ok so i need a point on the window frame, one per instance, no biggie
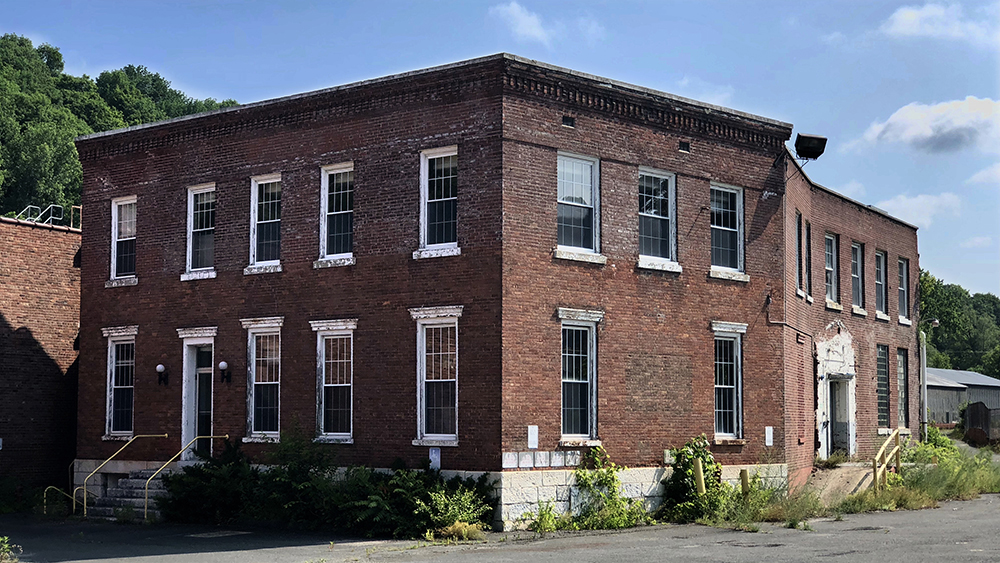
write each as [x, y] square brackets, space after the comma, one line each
[799, 285]
[595, 206]
[426, 250]
[740, 220]
[903, 391]
[116, 336]
[831, 266]
[649, 260]
[115, 204]
[591, 328]
[808, 262]
[882, 293]
[263, 326]
[434, 317]
[259, 266]
[903, 298]
[189, 271]
[879, 409]
[732, 332]
[325, 329]
[858, 275]
[325, 258]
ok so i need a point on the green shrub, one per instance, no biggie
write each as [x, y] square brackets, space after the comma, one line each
[794, 508]
[955, 477]
[681, 501]
[547, 520]
[8, 551]
[937, 447]
[895, 498]
[448, 507]
[604, 507]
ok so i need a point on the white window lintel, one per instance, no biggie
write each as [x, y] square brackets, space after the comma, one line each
[120, 331]
[442, 312]
[731, 327]
[335, 324]
[583, 315]
[262, 322]
[198, 332]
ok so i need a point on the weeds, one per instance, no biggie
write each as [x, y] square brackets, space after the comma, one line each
[9, 551]
[833, 461]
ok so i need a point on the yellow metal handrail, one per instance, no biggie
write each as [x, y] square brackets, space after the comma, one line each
[880, 464]
[45, 497]
[84, 486]
[145, 510]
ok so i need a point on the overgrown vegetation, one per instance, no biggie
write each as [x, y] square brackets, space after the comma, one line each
[681, 501]
[301, 488]
[8, 551]
[833, 461]
[969, 333]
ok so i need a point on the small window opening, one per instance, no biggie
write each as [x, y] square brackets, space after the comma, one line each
[569, 121]
[684, 146]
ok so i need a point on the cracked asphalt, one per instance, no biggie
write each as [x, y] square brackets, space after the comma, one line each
[955, 532]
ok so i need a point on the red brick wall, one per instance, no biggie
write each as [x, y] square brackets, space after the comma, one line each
[39, 316]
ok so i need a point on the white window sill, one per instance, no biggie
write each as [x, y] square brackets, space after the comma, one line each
[884, 431]
[581, 255]
[333, 262]
[261, 269]
[333, 440]
[436, 443]
[122, 282]
[731, 275]
[261, 439]
[728, 441]
[881, 316]
[809, 299]
[662, 264]
[116, 437]
[198, 275]
[422, 253]
[904, 431]
[834, 306]
[859, 311]
[905, 321]
[579, 443]
[800, 293]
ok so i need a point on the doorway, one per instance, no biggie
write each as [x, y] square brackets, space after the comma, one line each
[196, 417]
[840, 425]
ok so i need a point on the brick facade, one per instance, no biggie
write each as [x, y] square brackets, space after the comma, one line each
[654, 351]
[39, 320]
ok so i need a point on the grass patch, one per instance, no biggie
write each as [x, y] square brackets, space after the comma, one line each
[897, 498]
[833, 461]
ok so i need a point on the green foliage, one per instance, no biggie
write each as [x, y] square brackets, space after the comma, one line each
[604, 505]
[681, 501]
[301, 488]
[969, 330]
[794, 509]
[547, 520]
[958, 477]
[890, 499]
[833, 461]
[8, 551]
[461, 531]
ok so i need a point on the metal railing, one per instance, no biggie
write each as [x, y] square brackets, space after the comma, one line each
[145, 510]
[880, 464]
[45, 497]
[84, 486]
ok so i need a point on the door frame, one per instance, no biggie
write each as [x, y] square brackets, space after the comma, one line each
[189, 392]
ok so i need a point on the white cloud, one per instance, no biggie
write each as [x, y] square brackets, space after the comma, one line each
[977, 242]
[833, 38]
[943, 127]
[525, 25]
[698, 89]
[853, 189]
[591, 29]
[921, 209]
[940, 21]
[989, 175]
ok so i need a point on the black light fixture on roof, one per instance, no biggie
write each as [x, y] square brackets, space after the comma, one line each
[809, 147]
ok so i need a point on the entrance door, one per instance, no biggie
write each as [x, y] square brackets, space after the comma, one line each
[203, 399]
[840, 427]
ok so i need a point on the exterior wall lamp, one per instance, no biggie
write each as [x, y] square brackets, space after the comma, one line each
[226, 375]
[161, 374]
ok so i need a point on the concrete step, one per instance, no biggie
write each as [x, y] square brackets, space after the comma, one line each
[116, 514]
[134, 493]
[131, 483]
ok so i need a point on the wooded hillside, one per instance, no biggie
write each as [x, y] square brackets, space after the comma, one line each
[968, 337]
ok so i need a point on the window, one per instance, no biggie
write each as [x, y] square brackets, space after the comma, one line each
[657, 236]
[903, 377]
[904, 289]
[809, 254]
[858, 275]
[123, 237]
[335, 352]
[438, 203]
[728, 376]
[263, 398]
[336, 228]
[437, 374]
[201, 232]
[832, 250]
[881, 290]
[265, 223]
[121, 380]
[579, 372]
[882, 384]
[578, 222]
[727, 228]
[798, 251]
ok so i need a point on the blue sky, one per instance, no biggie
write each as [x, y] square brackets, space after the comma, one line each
[908, 93]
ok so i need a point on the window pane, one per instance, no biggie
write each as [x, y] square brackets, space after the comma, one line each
[440, 407]
[269, 241]
[902, 376]
[269, 201]
[575, 181]
[203, 230]
[882, 376]
[125, 258]
[880, 287]
[126, 220]
[654, 196]
[576, 380]
[576, 226]
[725, 229]
[337, 409]
[442, 220]
[904, 286]
[265, 407]
[121, 412]
[442, 202]
[340, 233]
[267, 362]
[726, 386]
[857, 272]
[576, 408]
[654, 237]
[725, 249]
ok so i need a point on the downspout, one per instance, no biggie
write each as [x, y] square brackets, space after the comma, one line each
[923, 384]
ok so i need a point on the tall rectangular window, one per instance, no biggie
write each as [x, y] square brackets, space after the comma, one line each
[728, 376]
[858, 275]
[437, 372]
[903, 380]
[123, 236]
[577, 208]
[904, 288]
[264, 376]
[881, 287]
[265, 220]
[577, 370]
[798, 251]
[337, 211]
[882, 384]
[832, 273]
[201, 228]
[657, 236]
[335, 385]
[121, 381]
[809, 255]
[438, 202]
[727, 227]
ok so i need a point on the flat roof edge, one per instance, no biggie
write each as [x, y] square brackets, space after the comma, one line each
[459, 64]
[22, 222]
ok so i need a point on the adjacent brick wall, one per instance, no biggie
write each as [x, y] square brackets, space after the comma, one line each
[39, 320]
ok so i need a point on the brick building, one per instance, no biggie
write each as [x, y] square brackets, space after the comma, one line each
[451, 263]
[39, 321]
